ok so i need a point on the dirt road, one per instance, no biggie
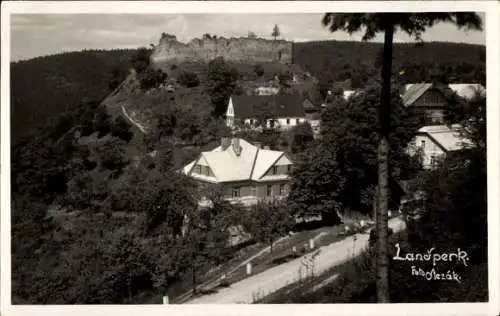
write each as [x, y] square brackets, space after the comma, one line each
[269, 281]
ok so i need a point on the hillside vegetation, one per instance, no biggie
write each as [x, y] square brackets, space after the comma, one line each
[45, 87]
[98, 218]
[334, 61]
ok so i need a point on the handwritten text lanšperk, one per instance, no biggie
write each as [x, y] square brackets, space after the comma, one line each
[435, 257]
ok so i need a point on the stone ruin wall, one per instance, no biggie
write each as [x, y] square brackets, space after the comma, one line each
[254, 50]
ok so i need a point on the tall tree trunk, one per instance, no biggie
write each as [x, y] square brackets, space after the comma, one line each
[193, 269]
[383, 169]
[375, 204]
[194, 279]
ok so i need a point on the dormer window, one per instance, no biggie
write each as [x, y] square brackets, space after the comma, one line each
[274, 170]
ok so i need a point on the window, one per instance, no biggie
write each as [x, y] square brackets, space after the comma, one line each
[287, 121]
[422, 144]
[269, 190]
[207, 171]
[275, 170]
[236, 192]
[433, 160]
[289, 169]
[282, 189]
[297, 121]
[198, 169]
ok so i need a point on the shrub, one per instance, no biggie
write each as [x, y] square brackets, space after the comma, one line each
[188, 79]
[151, 78]
[121, 129]
[259, 70]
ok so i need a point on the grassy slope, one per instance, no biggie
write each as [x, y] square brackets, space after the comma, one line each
[144, 107]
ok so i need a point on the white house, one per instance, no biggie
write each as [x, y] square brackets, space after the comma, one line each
[280, 111]
[247, 172]
[435, 142]
[267, 90]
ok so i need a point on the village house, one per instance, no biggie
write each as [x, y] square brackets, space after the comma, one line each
[266, 90]
[430, 99]
[279, 111]
[435, 142]
[426, 99]
[247, 172]
[313, 115]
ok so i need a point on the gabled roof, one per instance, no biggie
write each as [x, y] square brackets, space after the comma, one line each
[248, 106]
[445, 136]
[307, 104]
[414, 91]
[467, 90]
[251, 164]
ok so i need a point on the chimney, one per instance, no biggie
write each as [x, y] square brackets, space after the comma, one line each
[257, 144]
[225, 142]
[236, 146]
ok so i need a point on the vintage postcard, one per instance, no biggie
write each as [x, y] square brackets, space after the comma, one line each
[184, 157]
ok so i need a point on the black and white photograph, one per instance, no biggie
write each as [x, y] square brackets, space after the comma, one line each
[182, 158]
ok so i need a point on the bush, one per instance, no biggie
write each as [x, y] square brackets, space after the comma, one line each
[140, 60]
[151, 78]
[121, 129]
[188, 79]
[259, 70]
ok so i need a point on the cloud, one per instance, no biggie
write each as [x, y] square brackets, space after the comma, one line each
[41, 34]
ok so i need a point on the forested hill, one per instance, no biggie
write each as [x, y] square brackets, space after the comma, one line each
[332, 61]
[45, 87]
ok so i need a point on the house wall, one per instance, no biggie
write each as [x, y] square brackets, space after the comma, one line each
[432, 104]
[428, 148]
[281, 123]
[431, 98]
[256, 189]
[288, 122]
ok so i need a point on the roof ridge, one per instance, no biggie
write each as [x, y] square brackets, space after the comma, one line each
[254, 161]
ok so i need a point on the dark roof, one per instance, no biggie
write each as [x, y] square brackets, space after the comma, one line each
[246, 106]
[308, 104]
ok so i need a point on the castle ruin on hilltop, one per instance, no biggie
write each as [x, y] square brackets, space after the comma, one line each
[243, 49]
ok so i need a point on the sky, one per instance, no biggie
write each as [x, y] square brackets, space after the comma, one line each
[35, 35]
